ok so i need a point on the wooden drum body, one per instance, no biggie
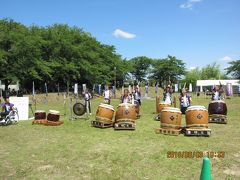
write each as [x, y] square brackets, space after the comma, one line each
[171, 118]
[126, 112]
[53, 115]
[217, 107]
[40, 114]
[104, 112]
[196, 116]
[162, 105]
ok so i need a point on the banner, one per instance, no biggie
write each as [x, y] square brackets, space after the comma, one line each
[76, 89]
[22, 105]
[176, 87]
[156, 88]
[99, 89]
[229, 89]
[84, 86]
[190, 87]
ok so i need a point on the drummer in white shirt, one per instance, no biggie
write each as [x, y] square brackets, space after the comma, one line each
[185, 100]
[217, 93]
[167, 95]
[126, 98]
[107, 95]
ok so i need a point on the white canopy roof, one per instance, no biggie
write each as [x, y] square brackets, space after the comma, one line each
[217, 82]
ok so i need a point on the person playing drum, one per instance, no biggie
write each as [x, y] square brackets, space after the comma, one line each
[185, 100]
[137, 95]
[216, 93]
[126, 98]
[87, 97]
[107, 95]
[6, 107]
[167, 95]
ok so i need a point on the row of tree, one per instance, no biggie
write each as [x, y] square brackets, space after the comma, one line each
[59, 54]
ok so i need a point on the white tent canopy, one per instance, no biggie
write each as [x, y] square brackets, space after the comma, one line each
[202, 83]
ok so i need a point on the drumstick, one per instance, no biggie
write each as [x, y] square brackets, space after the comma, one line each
[184, 85]
[174, 101]
[157, 102]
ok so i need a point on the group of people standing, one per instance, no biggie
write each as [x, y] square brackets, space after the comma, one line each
[185, 99]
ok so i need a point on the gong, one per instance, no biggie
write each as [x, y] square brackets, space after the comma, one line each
[78, 109]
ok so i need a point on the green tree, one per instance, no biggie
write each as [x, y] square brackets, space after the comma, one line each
[211, 71]
[139, 67]
[11, 37]
[192, 76]
[168, 70]
[234, 69]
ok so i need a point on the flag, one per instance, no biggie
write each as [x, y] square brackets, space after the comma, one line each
[156, 88]
[176, 87]
[46, 90]
[33, 91]
[58, 89]
[190, 87]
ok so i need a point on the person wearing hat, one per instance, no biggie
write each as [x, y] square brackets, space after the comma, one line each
[6, 107]
[167, 95]
[185, 100]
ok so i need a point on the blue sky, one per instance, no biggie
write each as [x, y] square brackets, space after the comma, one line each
[199, 32]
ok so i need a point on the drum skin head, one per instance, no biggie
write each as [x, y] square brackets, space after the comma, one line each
[40, 111]
[78, 109]
[107, 106]
[126, 104]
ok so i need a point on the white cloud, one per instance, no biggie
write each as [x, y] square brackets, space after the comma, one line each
[189, 4]
[192, 68]
[120, 33]
[226, 58]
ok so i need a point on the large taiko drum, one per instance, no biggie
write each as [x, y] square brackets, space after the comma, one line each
[196, 116]
[217, 107]
[171, 118]
[125, 112]
[137, 107]
[104, 112]
[53, 115]
[162, 105]
[40, 114]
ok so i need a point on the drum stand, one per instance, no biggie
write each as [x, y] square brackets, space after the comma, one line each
[101, 124]
[218, 118]
[72, 115]
[124, 125]
[196, 131]
[169, 131]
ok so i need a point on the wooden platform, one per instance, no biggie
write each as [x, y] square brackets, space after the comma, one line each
[172, 132]
[101, 124]
[39, 121]
[53, 123]
[217, 118]
[47, 123]
[197, 132]
[124, 126]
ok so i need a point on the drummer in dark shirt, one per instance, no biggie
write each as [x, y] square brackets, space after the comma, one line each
[6, 107]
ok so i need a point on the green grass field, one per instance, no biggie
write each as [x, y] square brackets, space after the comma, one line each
[75, 150]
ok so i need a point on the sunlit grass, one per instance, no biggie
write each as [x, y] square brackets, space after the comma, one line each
[75, 150]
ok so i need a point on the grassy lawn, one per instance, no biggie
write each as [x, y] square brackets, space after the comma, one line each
[75, 150]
